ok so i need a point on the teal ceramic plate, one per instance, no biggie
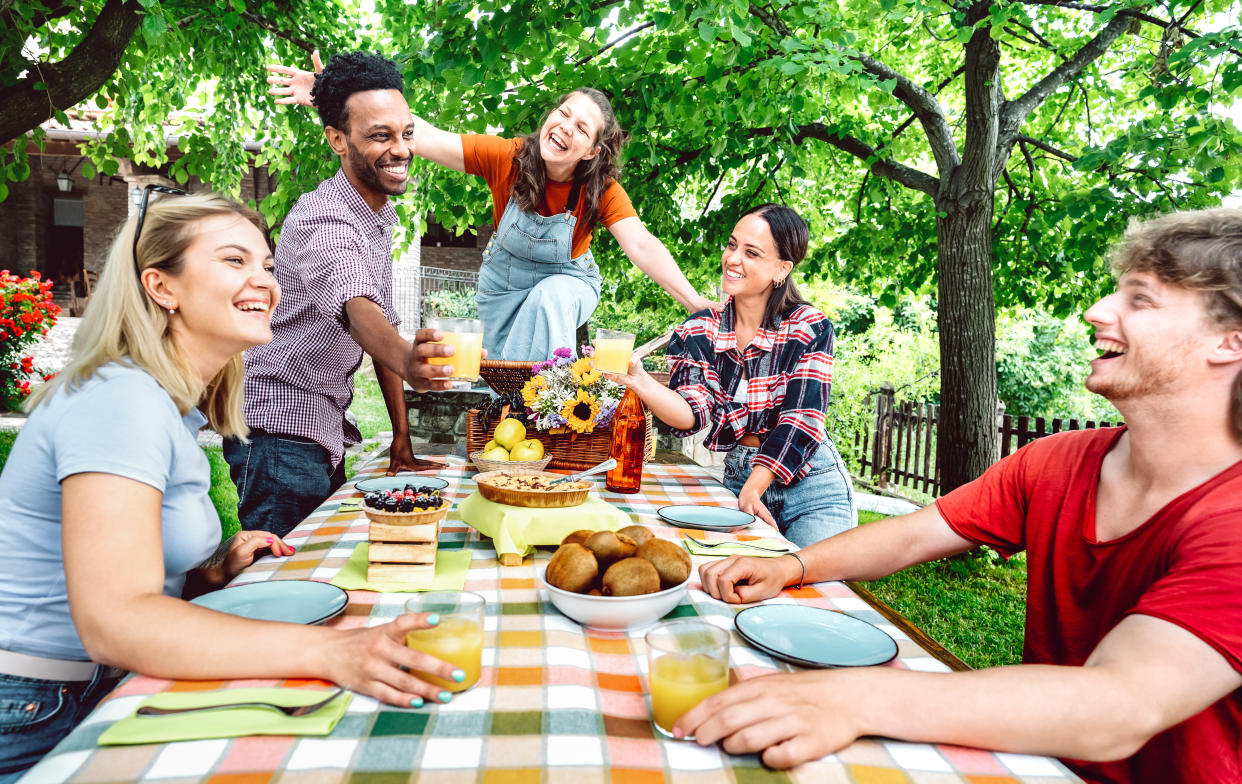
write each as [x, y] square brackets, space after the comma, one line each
[814, 637]
[292, 601]
[705, 518]
[399, 482]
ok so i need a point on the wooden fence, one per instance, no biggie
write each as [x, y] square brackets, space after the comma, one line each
[900, 447]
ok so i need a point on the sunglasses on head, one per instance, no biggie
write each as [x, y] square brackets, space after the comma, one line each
[142, 209]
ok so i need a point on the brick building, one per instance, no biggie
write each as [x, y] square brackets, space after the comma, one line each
[61, 223]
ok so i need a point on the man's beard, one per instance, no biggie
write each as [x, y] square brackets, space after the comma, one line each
[369, 175]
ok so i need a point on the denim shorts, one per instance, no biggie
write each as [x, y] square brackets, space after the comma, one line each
[36, 714]
[817, 506]
[280, 479]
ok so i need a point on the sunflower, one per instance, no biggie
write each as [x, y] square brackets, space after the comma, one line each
[584, 372]
[580, 412]
[531, 391]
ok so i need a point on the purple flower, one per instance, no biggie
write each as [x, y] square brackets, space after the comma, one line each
[564, 353]
[587, 351]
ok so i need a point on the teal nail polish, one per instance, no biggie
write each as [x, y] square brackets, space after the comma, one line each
[417, 702]
[433, 619]
[445, 696]
[459, 675]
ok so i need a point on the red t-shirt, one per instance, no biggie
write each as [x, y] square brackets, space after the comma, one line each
[1184, 565]
[491, 158]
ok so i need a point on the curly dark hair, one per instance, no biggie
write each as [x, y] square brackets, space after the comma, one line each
[596, 174]
[346, 74]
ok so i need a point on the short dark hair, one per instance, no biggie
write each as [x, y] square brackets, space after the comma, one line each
[346, 74]
[792, 237]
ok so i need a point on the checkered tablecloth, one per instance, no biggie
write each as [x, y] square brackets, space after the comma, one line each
[556, 703]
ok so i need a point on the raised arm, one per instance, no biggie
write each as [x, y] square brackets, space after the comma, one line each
[293, 86]
[1144, 677]
[647, 253]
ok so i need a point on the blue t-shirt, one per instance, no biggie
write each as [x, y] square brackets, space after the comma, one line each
[122, 422]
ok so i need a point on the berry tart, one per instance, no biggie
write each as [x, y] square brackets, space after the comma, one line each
[412, 505]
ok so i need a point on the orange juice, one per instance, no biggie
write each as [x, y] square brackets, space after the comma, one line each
[468, 350]
[680, 681]
[458, 641]
[613, 354]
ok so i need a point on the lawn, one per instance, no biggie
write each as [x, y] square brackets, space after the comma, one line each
[974, 607]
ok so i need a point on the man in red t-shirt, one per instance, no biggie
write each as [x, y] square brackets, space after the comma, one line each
[1133, 655]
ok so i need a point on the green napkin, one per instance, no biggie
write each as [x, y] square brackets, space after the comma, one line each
[229, 722]
[517, 529]
[738, 548]
[451, 568]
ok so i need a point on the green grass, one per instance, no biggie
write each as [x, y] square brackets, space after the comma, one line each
[973, 606]
[7, 437]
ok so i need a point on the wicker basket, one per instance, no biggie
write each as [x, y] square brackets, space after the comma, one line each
[570, 451]
[483, 464]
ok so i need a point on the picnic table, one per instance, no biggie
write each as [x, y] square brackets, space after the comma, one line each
[556, 702]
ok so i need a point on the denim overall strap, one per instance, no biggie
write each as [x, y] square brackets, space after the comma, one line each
[532, 294]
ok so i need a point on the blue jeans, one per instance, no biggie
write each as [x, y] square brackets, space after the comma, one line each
[280, 479]
[36, 714]
[818, 506]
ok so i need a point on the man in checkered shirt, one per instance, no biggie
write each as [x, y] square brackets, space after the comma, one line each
[334, 266]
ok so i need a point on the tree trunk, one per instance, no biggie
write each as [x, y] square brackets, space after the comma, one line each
[966, 445]
[967, 313]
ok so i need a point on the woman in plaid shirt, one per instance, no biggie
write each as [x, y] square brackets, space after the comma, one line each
[757, 374]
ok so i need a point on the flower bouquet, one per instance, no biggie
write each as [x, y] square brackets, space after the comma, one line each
[567, 394]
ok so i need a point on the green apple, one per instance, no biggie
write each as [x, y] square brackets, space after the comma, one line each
[491, 445]
[509, 432]
[496, 453]
[530, 449]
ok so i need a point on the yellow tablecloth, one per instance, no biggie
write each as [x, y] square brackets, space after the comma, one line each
[517, 529]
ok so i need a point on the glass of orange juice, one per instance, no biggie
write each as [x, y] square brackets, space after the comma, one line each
[613, 349]
[456, 639]
[688, 661]
[466, 338]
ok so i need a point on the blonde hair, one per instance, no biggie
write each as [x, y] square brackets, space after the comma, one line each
[1199, 250]
[123, 324]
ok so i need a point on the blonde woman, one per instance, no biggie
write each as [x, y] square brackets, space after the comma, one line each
[104, 509]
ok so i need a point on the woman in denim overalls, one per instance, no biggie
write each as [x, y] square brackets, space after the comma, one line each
[539, 281]
[757, 374]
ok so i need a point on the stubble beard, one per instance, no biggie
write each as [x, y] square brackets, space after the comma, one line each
[369, 175]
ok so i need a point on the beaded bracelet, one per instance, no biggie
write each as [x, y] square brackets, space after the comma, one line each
[801, 579]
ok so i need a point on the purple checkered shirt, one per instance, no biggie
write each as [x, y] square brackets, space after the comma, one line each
[332, 248]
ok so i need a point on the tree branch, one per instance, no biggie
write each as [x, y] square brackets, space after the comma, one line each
[1015, 112]
[924, 105]
[301, 43]
[73, 79]
[900, 173]
[626, 35]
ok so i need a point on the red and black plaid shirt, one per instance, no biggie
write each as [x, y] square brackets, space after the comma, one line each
[333, 247]
[789, 369]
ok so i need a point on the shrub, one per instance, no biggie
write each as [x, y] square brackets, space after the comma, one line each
[26, 314]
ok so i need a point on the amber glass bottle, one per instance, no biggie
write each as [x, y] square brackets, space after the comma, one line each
[629, 441]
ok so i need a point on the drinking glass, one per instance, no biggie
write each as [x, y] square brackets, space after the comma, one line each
[613, 349]
[466, 338]
[456, 639]
[688, 661]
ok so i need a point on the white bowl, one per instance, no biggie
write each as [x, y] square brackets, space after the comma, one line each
[615, 612]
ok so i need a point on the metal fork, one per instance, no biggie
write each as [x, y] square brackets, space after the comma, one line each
[294, 711]
[701, 543]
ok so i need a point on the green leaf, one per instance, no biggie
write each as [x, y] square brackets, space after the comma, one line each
[741, 36]
[707, 32]
[4, 191]
[88, 170]
[153, 27]
[789, 68]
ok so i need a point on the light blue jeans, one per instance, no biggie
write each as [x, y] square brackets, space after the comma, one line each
[532, 294]
[818, 506]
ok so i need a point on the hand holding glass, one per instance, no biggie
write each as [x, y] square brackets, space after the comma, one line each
[688, 662]
[613, 350]
[466, 338]
[456, 639]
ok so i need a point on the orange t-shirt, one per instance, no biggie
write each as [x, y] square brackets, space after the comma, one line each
[491, 158]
